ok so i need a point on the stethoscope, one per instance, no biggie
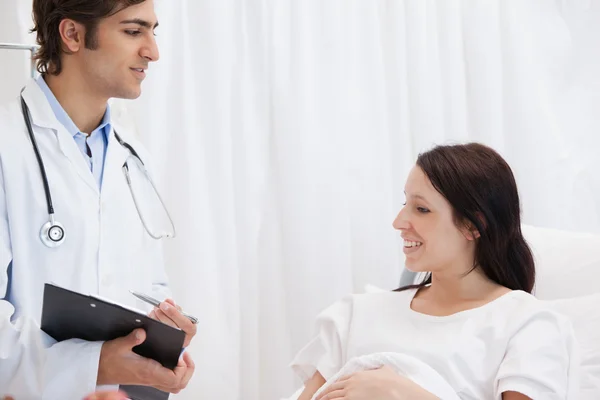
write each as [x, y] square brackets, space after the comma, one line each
[52, 233]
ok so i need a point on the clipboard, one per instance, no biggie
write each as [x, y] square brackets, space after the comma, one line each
[70, 315]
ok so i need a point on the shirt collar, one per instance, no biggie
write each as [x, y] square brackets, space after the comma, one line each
[62, 116]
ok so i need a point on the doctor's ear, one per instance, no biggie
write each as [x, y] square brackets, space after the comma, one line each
[72, 34]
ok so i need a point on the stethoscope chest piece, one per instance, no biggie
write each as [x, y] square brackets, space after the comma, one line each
[52, 233]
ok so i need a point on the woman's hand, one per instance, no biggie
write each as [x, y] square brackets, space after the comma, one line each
[378, 384]
[107, 396]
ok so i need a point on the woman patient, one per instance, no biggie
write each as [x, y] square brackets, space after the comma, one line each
[473, 319]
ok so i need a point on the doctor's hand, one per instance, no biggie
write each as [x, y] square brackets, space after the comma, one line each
[119, 365]
[383, 383]
[170, 313]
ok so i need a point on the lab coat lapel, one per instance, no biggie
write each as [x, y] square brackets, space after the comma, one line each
[113, 163]
[43, 117]
[71, 151]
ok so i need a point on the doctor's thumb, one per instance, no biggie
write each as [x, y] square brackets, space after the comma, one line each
[135, 337]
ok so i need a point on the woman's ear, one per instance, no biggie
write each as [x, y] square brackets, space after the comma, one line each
[470, 231]
[472, 234]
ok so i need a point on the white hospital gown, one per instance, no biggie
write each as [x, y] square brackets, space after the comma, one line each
[510, 344]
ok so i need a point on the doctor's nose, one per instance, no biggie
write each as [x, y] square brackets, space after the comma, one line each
[150, 50]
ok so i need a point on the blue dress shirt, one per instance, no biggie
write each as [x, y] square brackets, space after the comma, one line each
[92, 146]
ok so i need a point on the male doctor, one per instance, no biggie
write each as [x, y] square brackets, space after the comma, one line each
[82, 231]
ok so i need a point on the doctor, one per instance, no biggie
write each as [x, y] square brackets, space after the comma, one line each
[67, 212]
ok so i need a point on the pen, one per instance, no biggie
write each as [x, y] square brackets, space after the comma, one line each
[156, 303]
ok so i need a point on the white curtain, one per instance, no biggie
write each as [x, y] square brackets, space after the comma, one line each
[282, 132]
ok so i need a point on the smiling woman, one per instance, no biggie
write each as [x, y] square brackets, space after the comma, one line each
[462, 205]
[472, 324]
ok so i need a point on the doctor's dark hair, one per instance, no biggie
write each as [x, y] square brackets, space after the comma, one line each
[481, 188]
[47, 16]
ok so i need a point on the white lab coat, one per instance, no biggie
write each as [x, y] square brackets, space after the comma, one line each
[106, 249]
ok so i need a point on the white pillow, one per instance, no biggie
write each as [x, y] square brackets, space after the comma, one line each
[567, 263]
[584, 313]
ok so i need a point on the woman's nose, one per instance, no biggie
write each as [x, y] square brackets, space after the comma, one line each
[401, 222]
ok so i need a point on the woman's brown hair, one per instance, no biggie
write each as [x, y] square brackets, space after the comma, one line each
[481, 188]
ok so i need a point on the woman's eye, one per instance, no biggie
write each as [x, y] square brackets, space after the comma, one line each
[422, 210]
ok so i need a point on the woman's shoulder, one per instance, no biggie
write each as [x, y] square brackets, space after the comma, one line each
[524, 311]
[524, 303]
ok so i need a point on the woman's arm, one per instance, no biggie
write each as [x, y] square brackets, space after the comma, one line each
[311, 386]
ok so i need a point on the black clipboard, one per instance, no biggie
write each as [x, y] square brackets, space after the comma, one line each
[70, 315]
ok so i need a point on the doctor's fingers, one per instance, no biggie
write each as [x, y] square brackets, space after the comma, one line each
[177, 380]
[127, 343]
[184, 324]
[172, 302]
[117, 359]
[189, 371]
[172, 316]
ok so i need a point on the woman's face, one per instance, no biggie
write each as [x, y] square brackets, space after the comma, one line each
[432, 242]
